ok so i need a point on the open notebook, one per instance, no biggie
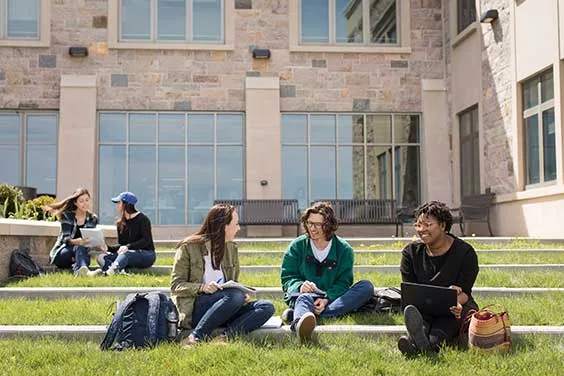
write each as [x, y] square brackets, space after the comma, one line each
[95, 236]
[274, 322]
[237, 285]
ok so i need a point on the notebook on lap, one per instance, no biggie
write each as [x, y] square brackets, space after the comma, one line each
[430, 300]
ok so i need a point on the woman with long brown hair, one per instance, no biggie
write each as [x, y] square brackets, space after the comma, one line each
[70, 249]
[202, 263]
[135, 246]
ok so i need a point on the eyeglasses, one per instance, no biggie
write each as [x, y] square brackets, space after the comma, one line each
[424, 224]
[317, 225]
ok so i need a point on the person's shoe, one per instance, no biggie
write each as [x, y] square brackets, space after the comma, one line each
[110, 272]
[414, 324]
[95, 273]
[82, 271]
[305, 326]
[189, 342]
[407, 347]
[288, 316]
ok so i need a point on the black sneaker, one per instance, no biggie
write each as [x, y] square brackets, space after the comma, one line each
[407, 347]
[288, 316]
[414, 324]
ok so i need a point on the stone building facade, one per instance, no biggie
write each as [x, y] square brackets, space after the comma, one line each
[426, 80]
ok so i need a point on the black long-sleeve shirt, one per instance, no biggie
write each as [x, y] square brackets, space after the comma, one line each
[458, 266]
[135, 234]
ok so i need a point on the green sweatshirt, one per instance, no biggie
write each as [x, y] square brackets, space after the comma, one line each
[334, 280]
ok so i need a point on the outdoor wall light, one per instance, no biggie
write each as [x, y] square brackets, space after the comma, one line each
[264, 182]
[78, 51]
[489, 16]
[261, 53]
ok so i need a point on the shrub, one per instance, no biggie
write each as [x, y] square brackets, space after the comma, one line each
[39, 203]
[11, 199]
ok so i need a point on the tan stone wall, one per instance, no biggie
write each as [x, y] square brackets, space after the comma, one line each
[214, 80]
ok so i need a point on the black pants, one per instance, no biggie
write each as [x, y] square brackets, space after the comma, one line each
[442, 329]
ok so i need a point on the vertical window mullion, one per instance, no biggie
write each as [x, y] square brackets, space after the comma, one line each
[366, 22]
[540, 132]
[332, 21]
[23, 149]
[157, 169]
[187, 201]
[39, 10]
[127, 151]
[154, 15]
[188, 21]
[3, 18]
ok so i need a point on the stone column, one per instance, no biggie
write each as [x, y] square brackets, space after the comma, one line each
[436, 179]
[263, 151]
[76, 166]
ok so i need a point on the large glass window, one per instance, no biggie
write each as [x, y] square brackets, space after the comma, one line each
[348, 156]
[19, 19]
[466, 14]
[349, 22]
[469, 152]
[179, 21]
[539, 129]
[28, 148]
[176, 163]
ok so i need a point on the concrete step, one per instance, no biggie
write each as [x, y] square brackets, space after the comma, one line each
[165, 269]
[355, 242]
[97, 332]
[50, 293]
[279, 254]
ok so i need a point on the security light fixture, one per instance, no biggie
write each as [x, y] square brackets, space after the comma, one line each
[489, 16]
[261, 53]
[264, 182]
[78, 51]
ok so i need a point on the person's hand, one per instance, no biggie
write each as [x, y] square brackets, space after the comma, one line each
[104, 248]
[456, 310]
[247, 299]
[210, 288]
[81, 242]
[121, 250]
[457, 288]
[319, 305]
[308, 286]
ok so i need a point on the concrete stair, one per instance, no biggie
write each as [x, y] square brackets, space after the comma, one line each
[51, 293]
[165, 269]
[279, 254]
[97, 332]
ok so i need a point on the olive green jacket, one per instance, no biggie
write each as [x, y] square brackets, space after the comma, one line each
[188, 275]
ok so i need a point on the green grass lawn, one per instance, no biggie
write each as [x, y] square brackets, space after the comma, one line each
[516, 243]
[517, 257]
[529, 355]
[540, 309]
[486, 278]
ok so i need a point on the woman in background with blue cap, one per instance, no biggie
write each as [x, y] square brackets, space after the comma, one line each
[135, 248]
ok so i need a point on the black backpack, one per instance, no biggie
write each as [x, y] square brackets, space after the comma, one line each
[142, 320]
[384, 300]
[23, 266]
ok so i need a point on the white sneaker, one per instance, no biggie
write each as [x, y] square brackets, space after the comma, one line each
[305, 326]
[110, 271]
[82, 271]
[95, 273]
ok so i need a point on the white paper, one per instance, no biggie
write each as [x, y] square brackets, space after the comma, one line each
[237, 285]
[95, 236]
[274, 322]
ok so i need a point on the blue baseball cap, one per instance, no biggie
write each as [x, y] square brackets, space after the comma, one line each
[127, 197]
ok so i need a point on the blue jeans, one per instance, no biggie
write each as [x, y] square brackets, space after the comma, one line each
[226, 307]
[354, 298]
[72, 256]
[131, 258]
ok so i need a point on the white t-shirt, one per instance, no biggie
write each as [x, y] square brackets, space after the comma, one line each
[209, 273]
[321, 254]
